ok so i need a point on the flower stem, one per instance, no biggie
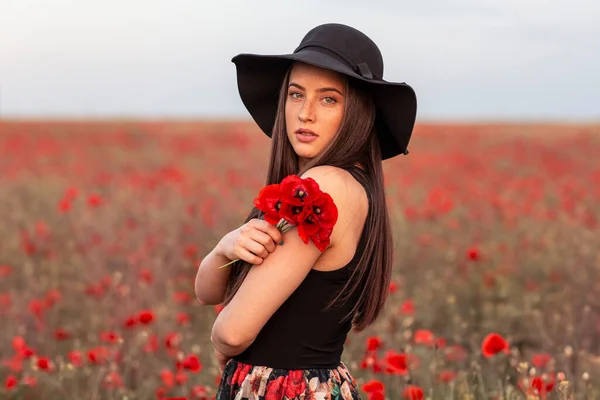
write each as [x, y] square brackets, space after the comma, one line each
[230, 262]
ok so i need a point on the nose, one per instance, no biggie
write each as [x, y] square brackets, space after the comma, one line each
[307, 112]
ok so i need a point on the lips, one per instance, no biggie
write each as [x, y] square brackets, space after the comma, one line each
[306, 132]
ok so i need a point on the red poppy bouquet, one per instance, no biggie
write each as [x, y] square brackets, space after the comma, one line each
[297, 202]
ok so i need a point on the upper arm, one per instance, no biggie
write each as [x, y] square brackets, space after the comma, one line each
[268, 285]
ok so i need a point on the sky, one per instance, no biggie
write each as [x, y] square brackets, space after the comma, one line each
[466, 59]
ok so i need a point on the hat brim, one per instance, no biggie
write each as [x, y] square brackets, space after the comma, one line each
[259, 79]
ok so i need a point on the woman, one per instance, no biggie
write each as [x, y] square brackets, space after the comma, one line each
[289, 307]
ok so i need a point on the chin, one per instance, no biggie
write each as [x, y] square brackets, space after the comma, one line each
[305, 154]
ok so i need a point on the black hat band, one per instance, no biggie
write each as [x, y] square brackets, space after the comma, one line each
[361, 68]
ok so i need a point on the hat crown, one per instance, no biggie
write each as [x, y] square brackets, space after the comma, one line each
[347, 44]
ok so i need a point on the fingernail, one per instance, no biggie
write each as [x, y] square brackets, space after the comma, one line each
[281, 243]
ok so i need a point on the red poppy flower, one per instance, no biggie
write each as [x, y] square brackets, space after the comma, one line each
[15, 364]
[182, 318]
[52, 297]
[181, 377]
[290, 199]
[294, 214]
[145, 317]
[64, 205]
[109, 337]
[307, 227]
[397, 362]
[412, 392]
[130, 322]
[440, 342]
[408, 307]
[540, 360]
[21, 349]
[368, 361]
[44, 364]
[373, 343]
[323, 211]
[473, 254]
[18, 343]
[172, 340]
[270, 202]
[192, 363]
[11, 382]
[94, 200]
[319, 221]
[494, 344]
[542, 385]
[424, 337]
[5, 302]
[373, 386]
[71, 193]
[36, 307]
[182, 297]
[167, 378]
[377, 367]
[61, 334]
[29, 381]
[152, 344]
[75, 358]
[161, 392]
[446, 376]
[95, 290]
[98, 355]
[299, 191]
[112, 380]
[199, 392]
[322, 238]
[146, 275]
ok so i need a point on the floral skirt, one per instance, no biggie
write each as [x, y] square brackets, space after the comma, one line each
[247, 382]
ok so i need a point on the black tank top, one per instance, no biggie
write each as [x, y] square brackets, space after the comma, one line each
[301, 334]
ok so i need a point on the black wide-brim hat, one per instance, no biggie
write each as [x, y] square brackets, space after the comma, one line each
[343, 49]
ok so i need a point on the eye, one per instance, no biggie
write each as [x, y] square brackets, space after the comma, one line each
[329, 100]
[295, 95]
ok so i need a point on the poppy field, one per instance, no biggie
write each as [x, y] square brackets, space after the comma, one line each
[495, 291]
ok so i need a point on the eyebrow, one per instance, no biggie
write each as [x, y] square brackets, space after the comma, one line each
[320, 90]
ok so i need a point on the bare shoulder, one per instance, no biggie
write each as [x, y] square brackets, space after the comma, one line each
[350, 199]
[337, 181]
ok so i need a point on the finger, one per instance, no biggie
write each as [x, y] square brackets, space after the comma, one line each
[246, 255]
[255, 222]
[270, 230]
[265, 240]
[255, 245]
[276, 234]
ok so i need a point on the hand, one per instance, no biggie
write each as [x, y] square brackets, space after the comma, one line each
[222, 359]
[252, 242]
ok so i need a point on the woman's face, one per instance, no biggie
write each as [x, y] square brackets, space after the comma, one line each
[314, 102]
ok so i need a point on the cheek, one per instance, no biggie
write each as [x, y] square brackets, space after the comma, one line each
[289, 113]
[335, 120]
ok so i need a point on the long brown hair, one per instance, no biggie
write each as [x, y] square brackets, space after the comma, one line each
[356, 140]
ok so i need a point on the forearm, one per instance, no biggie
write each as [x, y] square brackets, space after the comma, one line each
[211, 281]
[226, 335]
